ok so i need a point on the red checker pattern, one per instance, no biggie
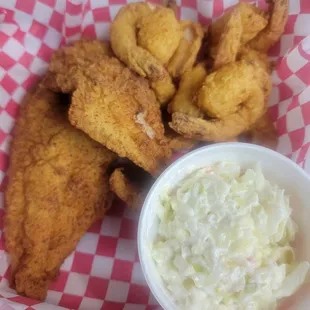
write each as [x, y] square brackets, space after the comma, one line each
[82, 263]
[97, 288]
[138, 294]
[56, 21]
[25, 6]
[107, 246]
[50, 3]
[110, 305]
[60, 283]
[306, 112]
[304, 6]
[102, 14]
[70, 301]
[128, 229]
[6, 62]
[122, 270]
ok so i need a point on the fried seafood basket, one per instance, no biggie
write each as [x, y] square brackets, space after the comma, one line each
[104, 271]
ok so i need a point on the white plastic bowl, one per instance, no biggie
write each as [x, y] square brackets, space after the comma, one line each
[276, 168]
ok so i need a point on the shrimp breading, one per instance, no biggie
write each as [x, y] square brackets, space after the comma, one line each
[253, 21]
[125, 44]
[117, 108]
[157, 28]
[190, 83]
[225, 89]
[230, 40]
[224, 129]
[185, 56]
[275, 28]
[58, 186]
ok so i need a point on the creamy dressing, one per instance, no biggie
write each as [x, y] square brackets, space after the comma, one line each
[224, 239]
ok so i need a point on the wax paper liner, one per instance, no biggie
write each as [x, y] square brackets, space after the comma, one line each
[104, 271]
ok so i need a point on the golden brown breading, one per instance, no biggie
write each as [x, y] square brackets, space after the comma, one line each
[159, 33]
[186, 54]
[117, 108]
[68, 62]
[125, 45]
[223, 129]
[225, 89]
[125, 189]
[262, 67]
[230, 41]
[275, 28]
[184, 100]
[58, 186]
[253, 21]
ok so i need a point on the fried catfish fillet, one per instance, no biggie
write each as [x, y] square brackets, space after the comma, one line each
[117, 108]
[58, 186]
[69, 62]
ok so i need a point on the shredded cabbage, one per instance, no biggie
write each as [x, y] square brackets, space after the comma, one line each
[223, 241]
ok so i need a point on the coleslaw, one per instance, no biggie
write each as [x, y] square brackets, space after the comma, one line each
[223, 241]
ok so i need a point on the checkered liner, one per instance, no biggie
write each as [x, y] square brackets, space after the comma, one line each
[104, 271]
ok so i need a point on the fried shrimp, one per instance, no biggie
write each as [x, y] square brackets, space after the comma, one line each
[230, 40]
[158, 28]
[253, 21]
[187, 51]
[261, 65]
[125, 43]
[190, 83]
[221, 129]
[275, 28]
[225, 89]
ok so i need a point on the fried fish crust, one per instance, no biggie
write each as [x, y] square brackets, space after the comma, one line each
[58, 186]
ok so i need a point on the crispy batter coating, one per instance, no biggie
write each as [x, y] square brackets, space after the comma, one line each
[186, 54]
[68, 62]
[190, 83]
[275, 28]
[159, 33]
[262, 67]
[117, 108]
[125, 189]
[227, 49]
[58, 186]
[225, 89]
[221, 129]
[253, 21]
[124, 43]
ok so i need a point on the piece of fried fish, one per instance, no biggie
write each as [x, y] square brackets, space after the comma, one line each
[58, 186]
[117, 108]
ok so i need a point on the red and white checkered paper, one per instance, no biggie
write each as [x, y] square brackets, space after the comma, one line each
[104, 271]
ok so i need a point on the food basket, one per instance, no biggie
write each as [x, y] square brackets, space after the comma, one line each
[104, 271]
